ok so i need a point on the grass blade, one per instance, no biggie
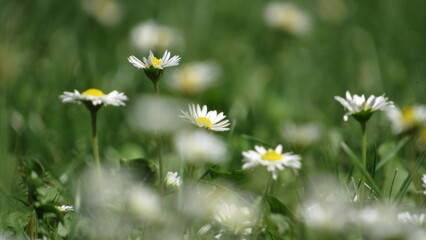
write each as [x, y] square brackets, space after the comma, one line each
[408, 180]
[388, 157]
[364, 172]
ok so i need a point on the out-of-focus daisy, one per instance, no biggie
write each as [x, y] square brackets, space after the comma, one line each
[210, 120]
[193, 78]
[424, 183]
[95, 97]
[107, 12]
[415, 219]
[407, 119]
[272, 159]
[301, 135]
[362, 109]
[173, 180]
[154, 62]
[200, 146]
[65, 208]
[288, 17]
[151, 35]
[235, 217]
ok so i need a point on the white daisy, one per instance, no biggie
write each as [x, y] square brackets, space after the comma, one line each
[411, 218]
[152, 35]
[200, 146]
[408, 118]
[173, 180]
[273, 159]
[153, 62]
[210, 120]
[193, 78]
[288, 17]
[65, 208]
[362, 109]
[95, 96]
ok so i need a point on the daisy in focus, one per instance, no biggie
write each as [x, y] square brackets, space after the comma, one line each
[173, 180]
[153, 66]
[362, 109]
[154, 62]
[95, 97]
[272, 159]
[209, 120]
[407, 119]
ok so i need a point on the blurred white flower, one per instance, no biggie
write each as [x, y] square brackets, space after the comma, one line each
[95, 97]
[361, 109]
[327, 215]
[411, 218]
[200, 146]
[155, 114]
[107, 12]
[173, 180]
[144, 203]
[332, 10]
[287, 16]
[210, 120]
[407, 119]
[301, 135]
[234, 216]
[151, 35]
[272, 159]
[65, 208]
[424, 183]
[155, 63]
[193, 78]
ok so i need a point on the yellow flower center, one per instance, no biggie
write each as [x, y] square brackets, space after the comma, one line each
[205, 122]
[366, 106]
[408, 115]
[155, 62]
[272, 156]
[93, 92]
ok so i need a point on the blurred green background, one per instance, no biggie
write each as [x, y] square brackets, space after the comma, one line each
[268, 75]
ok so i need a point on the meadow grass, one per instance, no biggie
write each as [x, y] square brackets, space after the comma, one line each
[269, 82]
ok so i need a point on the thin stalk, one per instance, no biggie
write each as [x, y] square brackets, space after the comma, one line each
[93, 113]
[159, 145]
[363, 158]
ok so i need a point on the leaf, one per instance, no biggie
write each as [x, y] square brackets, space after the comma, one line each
[45, 208]
[277, 206]
[364, 172]
[408, 180]
[142, 168]
[235, 175]
[17, 221]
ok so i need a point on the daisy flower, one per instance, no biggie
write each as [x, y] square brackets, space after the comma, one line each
[411, 218]
[272, 159]
[173, 180]
[153, 62]
[65, 208]
[95, 97]
[424, 183]
[407, 119]
[210, 120]
[362, 109]
[200, 146]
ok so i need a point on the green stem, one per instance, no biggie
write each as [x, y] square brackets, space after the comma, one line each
[364, 144]
[93, 113]
[363, 158]
[159, 145]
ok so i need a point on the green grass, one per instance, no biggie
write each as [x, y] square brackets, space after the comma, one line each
[268, 77]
